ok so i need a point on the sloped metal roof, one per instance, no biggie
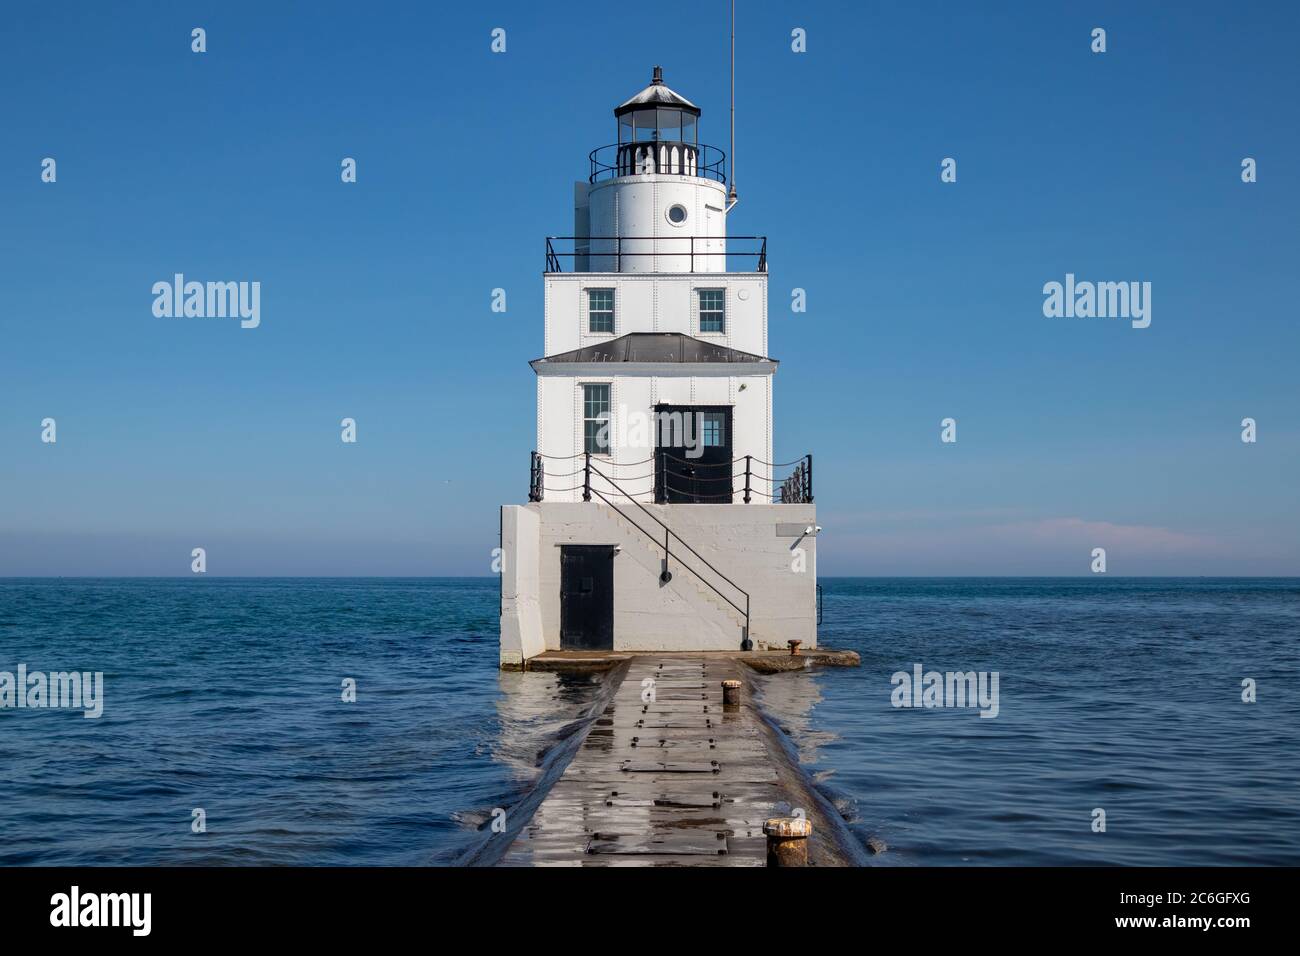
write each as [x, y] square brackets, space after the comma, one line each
[653, 347]
[656, 94]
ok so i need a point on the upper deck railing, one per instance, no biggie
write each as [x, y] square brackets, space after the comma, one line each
[750, 478]
[694, 253]
[658, 156]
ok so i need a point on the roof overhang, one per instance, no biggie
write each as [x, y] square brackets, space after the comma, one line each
[663, 369]
[654, 348]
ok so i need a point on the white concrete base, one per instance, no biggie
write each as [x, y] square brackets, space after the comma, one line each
[521, 619]
[762, 548]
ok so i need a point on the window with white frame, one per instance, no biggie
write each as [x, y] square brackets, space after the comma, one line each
[713, 429]
[713, 311]
[600, 310]
[595, 419]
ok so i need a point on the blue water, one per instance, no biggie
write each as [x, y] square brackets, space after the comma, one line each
[1119, 694]
[225, 695]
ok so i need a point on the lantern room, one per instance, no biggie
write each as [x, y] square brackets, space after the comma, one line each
[658, 132]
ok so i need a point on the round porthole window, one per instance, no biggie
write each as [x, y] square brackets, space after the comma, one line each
[677, 214]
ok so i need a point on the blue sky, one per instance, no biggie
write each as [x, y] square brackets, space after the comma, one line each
[924, 298]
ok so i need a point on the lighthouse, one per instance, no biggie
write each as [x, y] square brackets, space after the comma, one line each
[658, 516]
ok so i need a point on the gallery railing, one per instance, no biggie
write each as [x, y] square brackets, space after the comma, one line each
[536, 478]
[717, 482]
[667, 157]
[694, 252]
[798, 487]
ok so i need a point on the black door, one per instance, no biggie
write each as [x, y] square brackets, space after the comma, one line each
[693, 454]
[587, 597]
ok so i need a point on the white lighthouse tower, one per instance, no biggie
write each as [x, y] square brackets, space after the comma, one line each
[658, 518]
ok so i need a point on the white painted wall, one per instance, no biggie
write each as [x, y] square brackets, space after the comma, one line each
[560, 423]
[742, 542]
[637, 206]
[655, 303]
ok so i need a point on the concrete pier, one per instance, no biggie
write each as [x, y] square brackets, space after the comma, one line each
[667, 775]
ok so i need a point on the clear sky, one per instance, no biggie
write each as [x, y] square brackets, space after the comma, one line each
[924, 298]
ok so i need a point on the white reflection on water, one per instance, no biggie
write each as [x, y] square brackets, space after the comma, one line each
[789, 699]
[534, 712]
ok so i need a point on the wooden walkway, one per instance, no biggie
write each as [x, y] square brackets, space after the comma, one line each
[678, 780]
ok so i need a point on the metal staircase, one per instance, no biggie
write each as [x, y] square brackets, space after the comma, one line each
[674, 555]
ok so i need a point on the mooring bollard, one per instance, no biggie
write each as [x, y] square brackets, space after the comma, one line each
[731, 693]
[794, 647]
[787, 840]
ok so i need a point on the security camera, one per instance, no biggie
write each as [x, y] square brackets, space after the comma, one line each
[813, 529]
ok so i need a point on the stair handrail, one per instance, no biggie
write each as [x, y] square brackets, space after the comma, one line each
[589, 490]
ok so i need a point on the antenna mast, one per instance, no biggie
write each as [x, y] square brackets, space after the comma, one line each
[732, 198]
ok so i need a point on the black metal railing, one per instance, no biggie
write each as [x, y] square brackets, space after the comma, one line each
[710, 482]
[536, 478]
[797, 489]
[610, 251]
[663, 157]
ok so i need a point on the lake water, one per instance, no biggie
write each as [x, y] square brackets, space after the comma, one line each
[225, 695]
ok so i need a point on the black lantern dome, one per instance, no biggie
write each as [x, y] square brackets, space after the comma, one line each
[657, 114]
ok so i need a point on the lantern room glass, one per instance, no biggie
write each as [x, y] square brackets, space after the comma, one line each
[688, 127]
[643, 122]
[662, 124]
[670, 125]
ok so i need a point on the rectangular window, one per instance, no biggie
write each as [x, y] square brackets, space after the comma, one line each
[713, 429]
[595, 419]
[713, 316]
[600, 310]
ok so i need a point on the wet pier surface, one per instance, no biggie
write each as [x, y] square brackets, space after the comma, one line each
[668, 776]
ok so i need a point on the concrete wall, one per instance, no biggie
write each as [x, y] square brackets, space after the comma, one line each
[754, 545]
[560, 431]
[521, 619]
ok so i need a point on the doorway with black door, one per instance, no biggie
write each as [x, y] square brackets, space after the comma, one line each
[587, 597]
[693, 454]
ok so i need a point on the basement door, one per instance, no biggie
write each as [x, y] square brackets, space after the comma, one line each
[587, 597]
[693, 454]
